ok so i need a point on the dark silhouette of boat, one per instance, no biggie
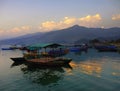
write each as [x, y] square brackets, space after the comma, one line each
[49, 61]
[18, 59]
[6, 49]
[106, 48]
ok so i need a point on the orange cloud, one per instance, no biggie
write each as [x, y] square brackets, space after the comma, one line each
[21, 29]
[50, 25]
[1, 31]
[15, 31]
[116, 17]
[90, 21]
[68, 20]
[25, 27]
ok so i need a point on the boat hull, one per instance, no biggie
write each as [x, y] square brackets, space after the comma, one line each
[18, 59]
[55, 62]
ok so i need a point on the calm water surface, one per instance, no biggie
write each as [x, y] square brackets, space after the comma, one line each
[92, 71]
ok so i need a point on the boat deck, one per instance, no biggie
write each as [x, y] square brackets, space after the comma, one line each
[42, 60]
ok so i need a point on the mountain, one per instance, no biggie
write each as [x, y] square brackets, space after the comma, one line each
[69, 35]
[25, 39]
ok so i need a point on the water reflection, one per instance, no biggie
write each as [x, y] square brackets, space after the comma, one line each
[77, 53]
[42, 75]
[16, 64]
[91, 68]
[88, 67]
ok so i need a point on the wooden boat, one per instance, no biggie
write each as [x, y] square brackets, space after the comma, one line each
[46, 61]
[49, 61]
[18, 59]
[54, 50]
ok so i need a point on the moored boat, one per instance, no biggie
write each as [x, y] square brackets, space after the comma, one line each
[6, 48]
[106, 48]
[51, 58]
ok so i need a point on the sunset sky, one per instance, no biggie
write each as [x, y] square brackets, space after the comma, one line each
[20, 17]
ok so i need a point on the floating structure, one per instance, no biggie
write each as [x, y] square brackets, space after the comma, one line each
[54, 50]
[50, 58]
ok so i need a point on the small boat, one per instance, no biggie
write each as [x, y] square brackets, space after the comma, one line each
[18, 59]
[74, 49]
[78, 49]
[106, 48]
[49, 61]
[6, 48]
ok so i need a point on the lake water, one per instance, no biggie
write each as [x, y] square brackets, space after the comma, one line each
[91, 71]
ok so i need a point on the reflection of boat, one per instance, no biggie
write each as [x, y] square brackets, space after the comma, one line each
[49, 61]
[17, 64]
[44, 76]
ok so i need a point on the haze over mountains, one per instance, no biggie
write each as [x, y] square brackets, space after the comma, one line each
[72, 34]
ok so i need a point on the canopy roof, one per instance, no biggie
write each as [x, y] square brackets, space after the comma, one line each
[39, 46]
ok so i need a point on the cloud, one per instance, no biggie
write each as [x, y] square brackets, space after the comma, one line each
[20, 30]
[68, 20]
[15, 31]
[1, 31]
[50, 25]
[116, 17]
[25, 27]
[88, 21]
